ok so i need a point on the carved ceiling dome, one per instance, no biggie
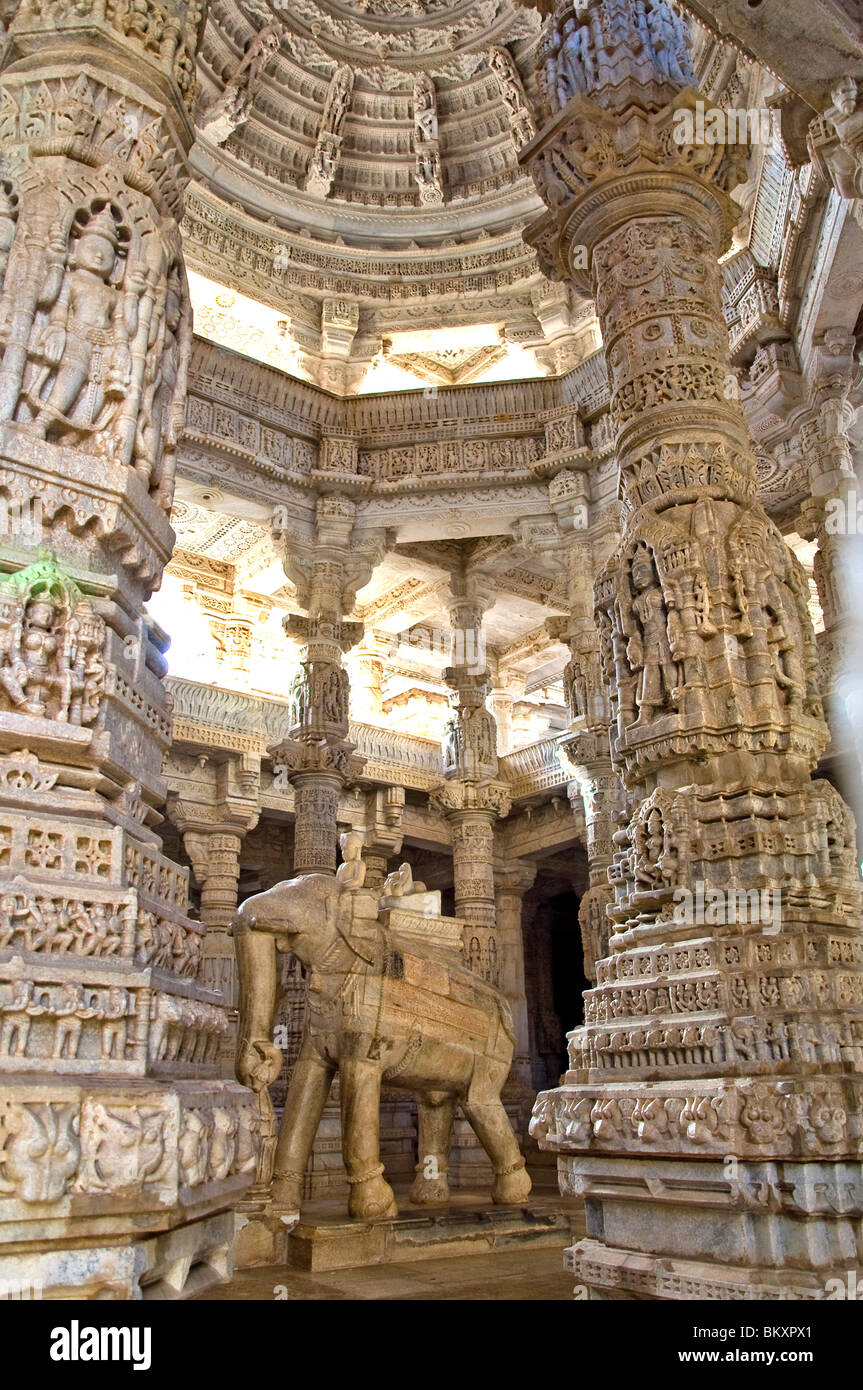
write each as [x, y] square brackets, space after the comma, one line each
[385, 120]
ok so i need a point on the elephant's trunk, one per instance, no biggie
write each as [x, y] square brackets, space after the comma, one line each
[258, 978]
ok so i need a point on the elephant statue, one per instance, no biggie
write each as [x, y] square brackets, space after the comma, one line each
[383, 1007]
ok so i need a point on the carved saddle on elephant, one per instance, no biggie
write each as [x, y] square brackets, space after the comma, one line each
[406, 978]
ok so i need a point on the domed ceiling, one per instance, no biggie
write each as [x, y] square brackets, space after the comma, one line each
[414, 74]
[356, 188]
[356, 171]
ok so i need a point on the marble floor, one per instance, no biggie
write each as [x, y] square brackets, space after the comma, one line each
[523, 1275]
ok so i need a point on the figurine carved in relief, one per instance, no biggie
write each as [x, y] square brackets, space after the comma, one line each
[80, 360]
[51, 642]
[425, 113]
[649, 649]
[162, 407]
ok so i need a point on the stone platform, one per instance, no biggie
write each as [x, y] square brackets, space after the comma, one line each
[470, 1225]
[326, 1239]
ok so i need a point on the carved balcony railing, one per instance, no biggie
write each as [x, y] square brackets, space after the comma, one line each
[533, 769]
[207, 716]
[212, 718]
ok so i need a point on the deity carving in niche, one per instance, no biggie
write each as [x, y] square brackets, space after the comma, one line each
[655, 853]
[338, 99]
[428, 176]
[80, 364]
[322, 169]
[648, 648]
[318, 694]
[51, 644]
[452, 744]
[575, 68]
[103, 363]
[773, 624]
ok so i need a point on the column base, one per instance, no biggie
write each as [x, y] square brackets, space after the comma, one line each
[716, 1229]
[176, 1265]
[605, 1273]
[121, 1188]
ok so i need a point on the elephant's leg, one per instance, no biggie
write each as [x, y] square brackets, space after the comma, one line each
[435, 1114]
[306, 1098]
[489, 1121]
[371, 1197]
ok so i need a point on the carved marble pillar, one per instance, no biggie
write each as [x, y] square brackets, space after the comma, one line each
[382, 831]
[587, 682]
[328, 563]
[472, 811]
[596, 788]
[736, 889]
[122, 1151]
[471, 798]
[512, 881]
[831, 516]
[215, 860]
[508, 687]
[366, 677]
[213, 833]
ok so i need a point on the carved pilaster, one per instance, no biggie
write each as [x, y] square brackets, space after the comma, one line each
[140, 1136]
[716, 715]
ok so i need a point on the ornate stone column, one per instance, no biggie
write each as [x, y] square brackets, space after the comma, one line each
[366, 679]
[587, 683]
[382, 831]
[471, 798]
[508, 687]
[832, 517]
[122, 1152]
[213, 834]
[512, 881]
[328, 563]
[717, 1076]
[597, 789]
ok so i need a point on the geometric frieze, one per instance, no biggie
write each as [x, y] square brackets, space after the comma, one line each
[752, 1117]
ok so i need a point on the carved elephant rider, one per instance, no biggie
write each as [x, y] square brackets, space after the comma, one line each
[381, 1009]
